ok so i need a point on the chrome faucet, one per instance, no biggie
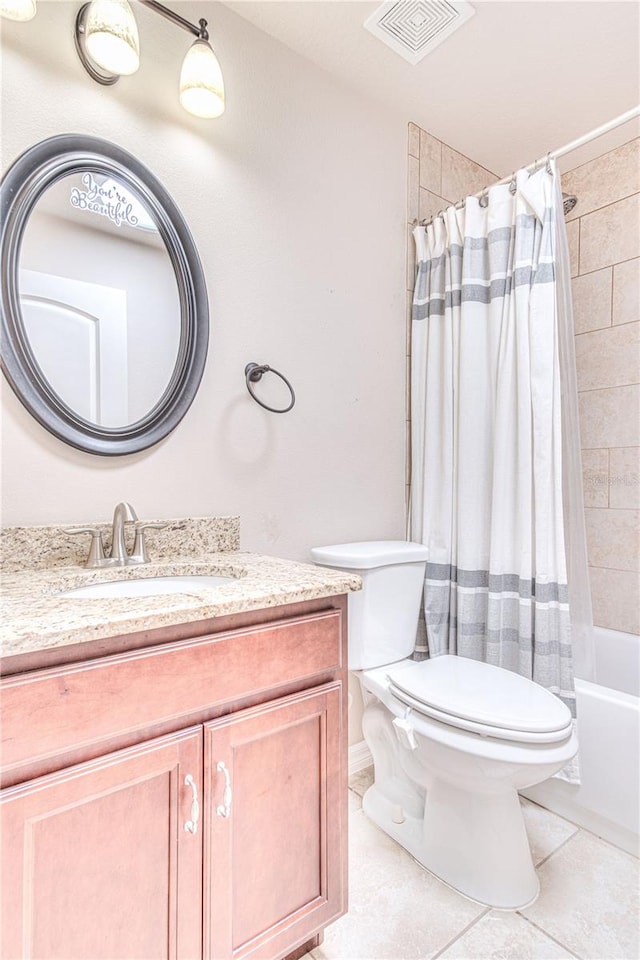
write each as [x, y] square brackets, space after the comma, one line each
[122, 514]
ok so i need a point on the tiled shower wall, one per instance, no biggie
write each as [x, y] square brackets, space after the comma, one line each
[604, 240]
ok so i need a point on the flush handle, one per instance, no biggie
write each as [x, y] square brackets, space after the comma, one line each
[224, 809]
[191, 826]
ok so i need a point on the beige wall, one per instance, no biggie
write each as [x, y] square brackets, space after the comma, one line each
[295, 200]
[604, 238]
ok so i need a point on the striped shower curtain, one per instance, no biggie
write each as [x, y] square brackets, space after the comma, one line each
[486, 478]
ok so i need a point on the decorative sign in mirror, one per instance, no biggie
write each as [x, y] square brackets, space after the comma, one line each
[105, 319]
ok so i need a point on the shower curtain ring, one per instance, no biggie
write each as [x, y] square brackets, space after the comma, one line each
[512, 183]
[548, 164]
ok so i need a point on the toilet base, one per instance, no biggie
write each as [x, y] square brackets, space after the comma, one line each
[475, 843]
[384, 814]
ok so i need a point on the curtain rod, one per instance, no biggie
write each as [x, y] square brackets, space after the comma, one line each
[554, 154]
[580, 142]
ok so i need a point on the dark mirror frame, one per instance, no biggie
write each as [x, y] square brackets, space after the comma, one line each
[24, 183]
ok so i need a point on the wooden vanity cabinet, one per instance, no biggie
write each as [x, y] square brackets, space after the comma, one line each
[271, 873]
[95, 864]
[210, 823]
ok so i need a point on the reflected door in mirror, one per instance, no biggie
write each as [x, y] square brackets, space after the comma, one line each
[99, 299]
[78, 331]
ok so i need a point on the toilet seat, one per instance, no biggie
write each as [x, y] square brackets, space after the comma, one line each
[478, 697]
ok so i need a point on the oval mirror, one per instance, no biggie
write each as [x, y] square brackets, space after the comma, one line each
[105, 320]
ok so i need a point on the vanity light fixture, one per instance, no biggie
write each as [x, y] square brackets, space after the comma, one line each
[107, 43]
[18, 9]
[111, 36]
[201, 84]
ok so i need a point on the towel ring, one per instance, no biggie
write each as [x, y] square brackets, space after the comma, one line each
[253, 374]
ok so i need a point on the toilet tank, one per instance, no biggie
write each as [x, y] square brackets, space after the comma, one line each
[383, 616]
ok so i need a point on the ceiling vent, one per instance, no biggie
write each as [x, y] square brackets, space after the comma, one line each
[413, 28]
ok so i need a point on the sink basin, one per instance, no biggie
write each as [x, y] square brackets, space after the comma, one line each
[147, 587]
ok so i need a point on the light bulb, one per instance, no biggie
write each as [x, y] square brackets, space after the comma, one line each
[18, 9]
[111, 36]
[201, 83]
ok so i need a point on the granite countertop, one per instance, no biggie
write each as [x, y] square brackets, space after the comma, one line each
[35, 617]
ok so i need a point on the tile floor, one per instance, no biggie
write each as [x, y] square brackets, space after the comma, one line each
[587, 908]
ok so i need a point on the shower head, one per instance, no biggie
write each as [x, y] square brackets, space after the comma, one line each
[569, 202]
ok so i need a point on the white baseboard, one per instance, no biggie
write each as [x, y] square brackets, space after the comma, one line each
[359, 757]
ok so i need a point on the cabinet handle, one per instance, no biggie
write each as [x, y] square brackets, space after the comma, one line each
[224, 809]
[191, 826]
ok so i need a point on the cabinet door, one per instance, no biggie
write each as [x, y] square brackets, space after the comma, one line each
[96, 860]
[275, 825]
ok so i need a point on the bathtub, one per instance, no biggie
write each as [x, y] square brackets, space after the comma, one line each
[607, 801]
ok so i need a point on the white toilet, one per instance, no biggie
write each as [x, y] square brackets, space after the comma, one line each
[452, 739]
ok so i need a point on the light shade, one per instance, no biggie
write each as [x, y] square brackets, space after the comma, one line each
[18, 9]
[201, 83]
[111, 36]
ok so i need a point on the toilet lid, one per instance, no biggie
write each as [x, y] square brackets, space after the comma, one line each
[475, 695]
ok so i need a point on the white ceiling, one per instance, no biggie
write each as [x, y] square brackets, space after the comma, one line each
[518, 79]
